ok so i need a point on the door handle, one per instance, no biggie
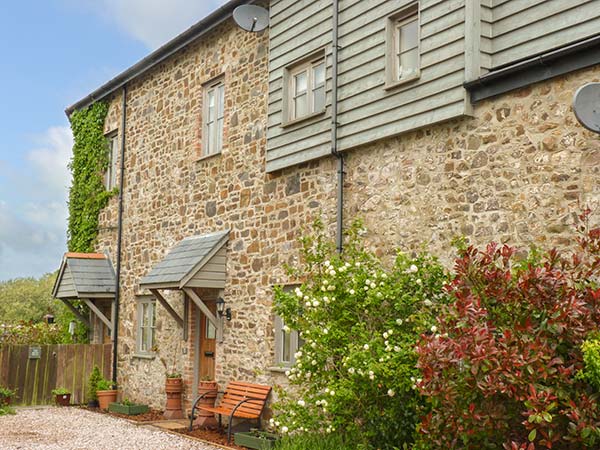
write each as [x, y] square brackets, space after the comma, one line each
[211, 354]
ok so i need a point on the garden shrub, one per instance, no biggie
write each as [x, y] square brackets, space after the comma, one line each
[501, 369]
[309, 441]
[356, 371]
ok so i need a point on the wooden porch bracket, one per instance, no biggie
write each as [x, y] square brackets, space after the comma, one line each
[99, 313]
[168, 307]
[76, 312]
[207, 312]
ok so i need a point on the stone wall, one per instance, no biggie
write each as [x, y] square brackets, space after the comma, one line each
[518, 171]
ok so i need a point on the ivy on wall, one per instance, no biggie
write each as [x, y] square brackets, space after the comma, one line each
[88, 195]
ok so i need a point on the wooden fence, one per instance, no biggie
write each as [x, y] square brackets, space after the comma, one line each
[67, 366]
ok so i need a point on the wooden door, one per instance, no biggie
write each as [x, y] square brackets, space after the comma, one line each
[208, 335]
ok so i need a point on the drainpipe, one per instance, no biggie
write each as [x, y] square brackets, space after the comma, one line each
[119, 237]
[334, 128]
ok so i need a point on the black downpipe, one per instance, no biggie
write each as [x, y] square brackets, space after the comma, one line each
[339, 238]
[119, 238]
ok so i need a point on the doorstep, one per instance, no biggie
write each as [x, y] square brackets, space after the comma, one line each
[171, 425]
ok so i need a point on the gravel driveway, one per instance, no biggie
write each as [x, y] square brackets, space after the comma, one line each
[55, 428]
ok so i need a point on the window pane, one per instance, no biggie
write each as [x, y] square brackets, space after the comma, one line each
[211, 331]
[219, 145]
[221, 105]
[285, 346]
[300, 83]
[145, 339]
[319, 75]
[319, 98]
[210, 137]
[145, 315]
[301, 105]
[408, 63]
[211, 106]
[152, 307]
[408, 36]
[113, 163]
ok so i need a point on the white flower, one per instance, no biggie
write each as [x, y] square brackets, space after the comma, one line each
[419, 381]
[357, 264]
[351, 370]
[384, 275]
[326, 390]
[272, 421]
[315, 303]
[419, 282]
[326, 263]
[284, 429]
[399, 321]
[396, 348]
[427, 302]
[325, 282]
[391, 393]
[351, 292]
[332, 273]
[323, 289]
[379, 295]
[299, 293]
[381, 359]
[332, 393]
[277, 423]
[385, 334]
[331, 287]
[413, 268]
[371, 375]
[433, 329]
[307, 304]
[390, 331]
[301, 403]
[367, 281]
[286, 328]
[366, 346]
[287, 373]
[313, 362]
[373, 285]
[325, 331]
[366, 288]
[313, 344]
[298, 354]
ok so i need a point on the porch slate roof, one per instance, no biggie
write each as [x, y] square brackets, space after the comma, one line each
[184, 260]
[85, 275]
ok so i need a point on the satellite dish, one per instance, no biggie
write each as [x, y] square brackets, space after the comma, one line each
[251, 17]
[586, 105]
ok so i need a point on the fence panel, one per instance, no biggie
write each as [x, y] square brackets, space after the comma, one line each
[67, 366]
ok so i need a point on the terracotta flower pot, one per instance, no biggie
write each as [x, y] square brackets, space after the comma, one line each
[206, 419]
[62, 399]
[173, 388]
[106, 397]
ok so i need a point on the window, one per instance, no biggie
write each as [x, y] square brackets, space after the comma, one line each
[403, 55]
[146, 316]
[214, 117]
[287, 343]
[306, 89]
[110, 176]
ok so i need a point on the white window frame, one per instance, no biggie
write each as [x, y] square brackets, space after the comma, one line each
[148, 351]
[394, 24]
[295, 342]
[308, 66]
[110, 176]
[213, 144]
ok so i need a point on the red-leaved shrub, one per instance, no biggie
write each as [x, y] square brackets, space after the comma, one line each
[500, 369]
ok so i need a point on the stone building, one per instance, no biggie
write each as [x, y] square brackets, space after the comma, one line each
[450, 118]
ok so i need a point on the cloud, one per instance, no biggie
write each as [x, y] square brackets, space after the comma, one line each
[153, 22]
[33, 208]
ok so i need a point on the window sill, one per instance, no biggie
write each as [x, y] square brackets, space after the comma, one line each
[291, 123]
[390, 85]
[278, 369]
[148, 356]
[205, 157]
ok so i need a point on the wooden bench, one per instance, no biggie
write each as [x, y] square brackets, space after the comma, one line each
[241, 400]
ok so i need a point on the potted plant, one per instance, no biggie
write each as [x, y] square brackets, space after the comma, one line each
[207, 390]
[6, 395]
[106, 392]
[260, 440]
[95, 377]
[62, 396]
[174, 389]
[127, 407]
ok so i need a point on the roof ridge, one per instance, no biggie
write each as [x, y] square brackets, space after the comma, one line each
[77, 255]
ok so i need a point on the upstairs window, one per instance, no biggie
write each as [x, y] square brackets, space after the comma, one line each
[306, 89]
[110, 176]
[214, 117]
[403, 46]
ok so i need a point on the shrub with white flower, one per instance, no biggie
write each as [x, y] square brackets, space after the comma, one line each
[361, 349]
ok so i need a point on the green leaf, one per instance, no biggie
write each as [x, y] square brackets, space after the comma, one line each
[532, 435]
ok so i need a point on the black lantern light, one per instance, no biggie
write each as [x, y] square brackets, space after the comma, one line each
[221, 310]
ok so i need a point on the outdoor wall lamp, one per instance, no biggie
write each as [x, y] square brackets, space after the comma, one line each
[222, 310]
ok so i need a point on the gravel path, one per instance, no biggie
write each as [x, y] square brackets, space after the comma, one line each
[76, 429]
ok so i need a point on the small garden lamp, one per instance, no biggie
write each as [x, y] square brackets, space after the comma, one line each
[221, 310]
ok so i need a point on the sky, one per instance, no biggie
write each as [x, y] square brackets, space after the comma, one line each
[55, 52]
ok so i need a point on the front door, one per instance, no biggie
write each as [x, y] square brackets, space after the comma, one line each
[208, 336]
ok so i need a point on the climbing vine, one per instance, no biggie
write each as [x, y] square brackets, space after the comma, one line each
[88, 195]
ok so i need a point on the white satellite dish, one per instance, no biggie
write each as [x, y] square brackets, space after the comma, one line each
[586, 105]
[251, 17]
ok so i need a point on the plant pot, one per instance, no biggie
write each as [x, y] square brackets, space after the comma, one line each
[260, 440]
[173, 388]
[106, 397]
[130, 410]
[62, 399]
[206, 419]
[93, 404]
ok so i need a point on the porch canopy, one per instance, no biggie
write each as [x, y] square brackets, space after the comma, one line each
[194, 262]
[88, 277]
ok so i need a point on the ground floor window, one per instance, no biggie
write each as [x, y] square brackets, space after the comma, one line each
[146, 319]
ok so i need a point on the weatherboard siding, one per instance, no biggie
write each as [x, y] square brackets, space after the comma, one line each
[66, 288]
[523, 28]
[367, 111]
